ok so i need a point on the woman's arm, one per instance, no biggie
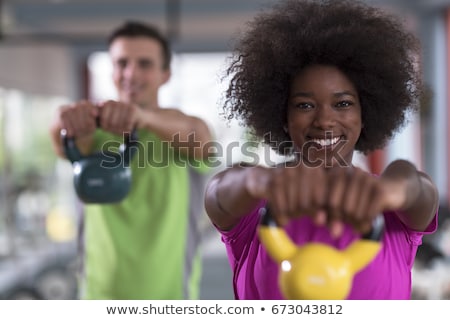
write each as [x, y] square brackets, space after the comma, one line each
[290, 191]
[411, 193]
[228, 195]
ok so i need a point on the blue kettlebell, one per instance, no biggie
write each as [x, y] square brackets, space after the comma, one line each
[104, 176]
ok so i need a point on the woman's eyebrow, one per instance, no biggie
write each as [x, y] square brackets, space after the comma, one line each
[336, 94]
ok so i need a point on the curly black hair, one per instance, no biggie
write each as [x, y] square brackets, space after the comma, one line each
[372, 47]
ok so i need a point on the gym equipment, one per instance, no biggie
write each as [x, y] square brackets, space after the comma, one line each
[316, 271]
[56, 283]
[104, 176]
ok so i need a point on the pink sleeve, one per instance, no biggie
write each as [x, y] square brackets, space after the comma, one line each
[416, 236]
[240, 235]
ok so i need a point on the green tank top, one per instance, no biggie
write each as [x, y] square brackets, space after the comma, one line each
[147, 246]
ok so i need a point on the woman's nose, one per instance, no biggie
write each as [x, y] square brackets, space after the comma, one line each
[325, 117]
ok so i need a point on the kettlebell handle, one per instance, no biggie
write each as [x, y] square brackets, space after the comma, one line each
[127, 149]
[375, 233]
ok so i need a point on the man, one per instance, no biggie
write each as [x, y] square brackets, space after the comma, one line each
[146, 246]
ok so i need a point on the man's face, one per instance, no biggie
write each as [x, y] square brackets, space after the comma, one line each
[138, 70]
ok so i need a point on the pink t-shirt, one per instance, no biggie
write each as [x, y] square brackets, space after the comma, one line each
[387, 277]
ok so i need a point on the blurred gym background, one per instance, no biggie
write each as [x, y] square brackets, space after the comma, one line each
[53, 52]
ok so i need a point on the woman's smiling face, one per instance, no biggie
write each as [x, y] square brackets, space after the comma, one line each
[324, 116]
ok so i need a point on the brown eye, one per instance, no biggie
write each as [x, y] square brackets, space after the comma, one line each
[145, 64]
[304, 106]
[122, 63]
[344, 104]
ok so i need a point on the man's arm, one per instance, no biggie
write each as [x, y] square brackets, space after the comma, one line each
[186, 133]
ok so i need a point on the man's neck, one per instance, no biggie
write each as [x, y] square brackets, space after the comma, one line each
[149, 106]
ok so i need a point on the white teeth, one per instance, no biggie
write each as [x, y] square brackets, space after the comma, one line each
[326, 142]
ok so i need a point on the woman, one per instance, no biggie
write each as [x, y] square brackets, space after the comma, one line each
[318, 80]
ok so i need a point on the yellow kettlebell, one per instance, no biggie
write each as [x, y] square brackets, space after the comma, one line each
[316, 271]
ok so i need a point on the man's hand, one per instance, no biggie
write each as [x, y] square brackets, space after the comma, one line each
[119, 117]
[78, 119]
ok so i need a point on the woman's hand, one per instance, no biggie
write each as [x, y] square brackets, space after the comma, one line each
[291, 191]
[332, 197]
[355, 197]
